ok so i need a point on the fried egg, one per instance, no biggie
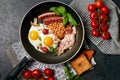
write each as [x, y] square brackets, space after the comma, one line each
[38, 39]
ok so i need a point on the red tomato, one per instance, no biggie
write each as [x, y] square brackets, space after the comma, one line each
[95, 32]
[105, 35]
[103, 18]
[48, 72]
[91, 7]
[104, 27]
[51, 78]
[94, 16]
[36, 73]
[104, 10]
[44, 49]
[99, 3]
[42, 78]
[27, 74]
[94, 24]
[45, 31]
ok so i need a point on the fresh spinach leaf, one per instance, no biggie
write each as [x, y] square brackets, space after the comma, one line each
[55, 9]
[65, 19]
[62, 10]
[72, 20]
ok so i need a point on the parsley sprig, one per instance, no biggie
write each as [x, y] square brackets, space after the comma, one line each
[70, 74]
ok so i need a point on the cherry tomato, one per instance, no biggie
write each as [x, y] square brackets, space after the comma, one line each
[104, 10]
[51, 78]
[94, 16]
[48, 72]
[94, 24]
[42, 78]
[45, 31]
[95, 32]
[103, 18]
[104, 27]
[99, 3]
[91, 7]
[27, 74]
[44, 49]
[105, 35]
[36, 73]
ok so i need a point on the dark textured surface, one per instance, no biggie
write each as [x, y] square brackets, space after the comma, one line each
[107, 67]
[11, 14]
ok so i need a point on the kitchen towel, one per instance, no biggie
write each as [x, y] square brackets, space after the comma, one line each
[16, 53]
[111, 46]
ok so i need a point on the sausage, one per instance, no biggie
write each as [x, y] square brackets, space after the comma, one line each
[46, 15]
[52, 19]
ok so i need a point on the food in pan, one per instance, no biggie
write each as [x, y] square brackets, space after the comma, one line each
[53, 32]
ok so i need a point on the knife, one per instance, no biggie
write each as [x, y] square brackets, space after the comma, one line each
[12, 75]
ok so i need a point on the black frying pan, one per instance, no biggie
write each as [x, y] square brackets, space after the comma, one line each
[48, 58]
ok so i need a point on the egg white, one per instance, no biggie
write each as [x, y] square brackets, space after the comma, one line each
[42, 36]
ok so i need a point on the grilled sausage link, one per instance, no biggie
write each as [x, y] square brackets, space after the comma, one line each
[46, 15]
[52, 19]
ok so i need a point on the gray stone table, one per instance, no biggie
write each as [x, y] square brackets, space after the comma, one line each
[11, 14]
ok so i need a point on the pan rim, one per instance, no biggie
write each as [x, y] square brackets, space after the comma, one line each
[80, 23]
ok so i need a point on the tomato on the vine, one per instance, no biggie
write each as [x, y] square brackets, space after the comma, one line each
[99, 17]
[104, 26]
[36, 73]
[27, 74]
[94, 16]
[51, 78]
[91, 7]
[105, 35]
[94, 23]
[99, 3]
[103, 18]
[42, 78]
[48, 72]
[95, 32]
[104, 10]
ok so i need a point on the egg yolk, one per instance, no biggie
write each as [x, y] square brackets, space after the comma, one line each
[34, 35]
[48, 41]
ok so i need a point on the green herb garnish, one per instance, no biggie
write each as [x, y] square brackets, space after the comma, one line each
[62, 10]
[55, 9]
[71, 19]
[53, 50]
[67, 17]
[39, 38]
[70, 74]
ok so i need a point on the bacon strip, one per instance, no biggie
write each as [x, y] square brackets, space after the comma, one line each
[67, 42]
[46, 15]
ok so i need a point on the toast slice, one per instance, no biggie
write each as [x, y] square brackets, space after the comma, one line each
[81, 64]
[88, 53]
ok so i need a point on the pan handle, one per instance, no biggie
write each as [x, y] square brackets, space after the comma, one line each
[15, 71]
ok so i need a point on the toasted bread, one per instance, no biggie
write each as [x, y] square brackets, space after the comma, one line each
[81, 64]
[88, 53]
